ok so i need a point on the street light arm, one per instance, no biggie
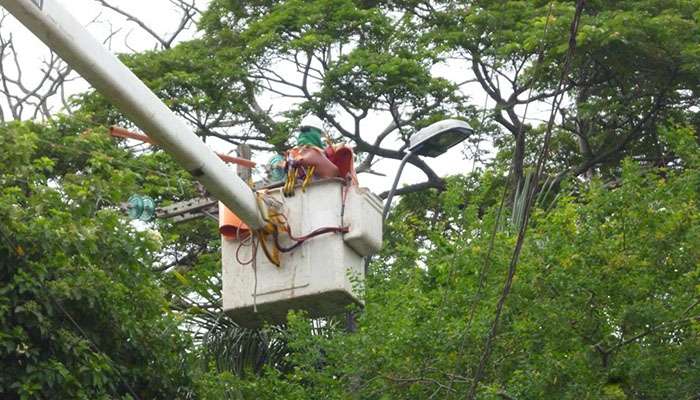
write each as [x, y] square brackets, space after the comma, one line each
[387, 205]
[415, 187]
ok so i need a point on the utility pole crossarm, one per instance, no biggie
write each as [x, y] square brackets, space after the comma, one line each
[190, 209]
[66, 36]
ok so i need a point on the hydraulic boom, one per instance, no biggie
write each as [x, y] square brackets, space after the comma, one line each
[53, 25]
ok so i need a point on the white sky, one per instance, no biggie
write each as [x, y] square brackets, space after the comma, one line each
[163, 17]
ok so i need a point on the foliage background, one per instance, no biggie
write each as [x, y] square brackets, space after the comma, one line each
[606, 297]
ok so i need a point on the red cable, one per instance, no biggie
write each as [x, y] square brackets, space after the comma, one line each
[302, 239]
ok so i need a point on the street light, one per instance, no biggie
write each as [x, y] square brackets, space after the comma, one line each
[430, 141]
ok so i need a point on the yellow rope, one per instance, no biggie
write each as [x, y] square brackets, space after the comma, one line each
[274, 257]
[307, 179]
[288, 189]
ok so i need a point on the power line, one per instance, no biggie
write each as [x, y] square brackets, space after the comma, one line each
[111, 159]
[171, 181]
[483, 272]
[528, 201]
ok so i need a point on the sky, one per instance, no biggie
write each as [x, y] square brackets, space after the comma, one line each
[163, 17]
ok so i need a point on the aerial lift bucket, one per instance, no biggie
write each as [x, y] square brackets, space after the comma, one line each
[322, 276]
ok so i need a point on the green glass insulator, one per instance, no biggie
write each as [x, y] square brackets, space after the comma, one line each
[141, 207]
[135, 206]
[275, 172]
[149, 209]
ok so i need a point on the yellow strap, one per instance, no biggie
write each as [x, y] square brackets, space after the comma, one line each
[274, 257]
[307, 179]
[288, 189]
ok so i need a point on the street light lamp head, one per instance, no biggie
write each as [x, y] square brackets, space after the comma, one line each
[430, 141]
[437, 138]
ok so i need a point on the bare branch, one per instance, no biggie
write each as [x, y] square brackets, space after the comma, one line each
[137, 21]
[189, 12]
[23, 99]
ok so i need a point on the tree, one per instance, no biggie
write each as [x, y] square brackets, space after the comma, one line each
[358, 64]
[605, 304]
[321, 58]
[31, 94]
[633, 69]
[81, 310]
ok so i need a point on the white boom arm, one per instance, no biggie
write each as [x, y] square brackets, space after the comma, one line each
[51, 23]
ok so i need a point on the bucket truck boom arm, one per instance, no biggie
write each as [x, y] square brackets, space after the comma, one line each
[51, 23]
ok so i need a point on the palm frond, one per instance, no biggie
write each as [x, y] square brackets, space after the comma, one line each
[241, 350]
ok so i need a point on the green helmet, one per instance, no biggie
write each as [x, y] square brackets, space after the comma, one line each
[310, 132]
[309, 136]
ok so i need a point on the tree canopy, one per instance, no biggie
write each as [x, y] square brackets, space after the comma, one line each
[602, 302]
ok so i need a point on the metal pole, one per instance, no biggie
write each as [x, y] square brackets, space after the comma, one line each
[387, 205]
[244, 153]
[66, 36]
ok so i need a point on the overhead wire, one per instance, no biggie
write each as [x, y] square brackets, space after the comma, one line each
[483, 271]
[123, 165]
[110, 159]
[556, 103]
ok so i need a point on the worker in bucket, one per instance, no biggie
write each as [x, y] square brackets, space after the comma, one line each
[308, 159]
